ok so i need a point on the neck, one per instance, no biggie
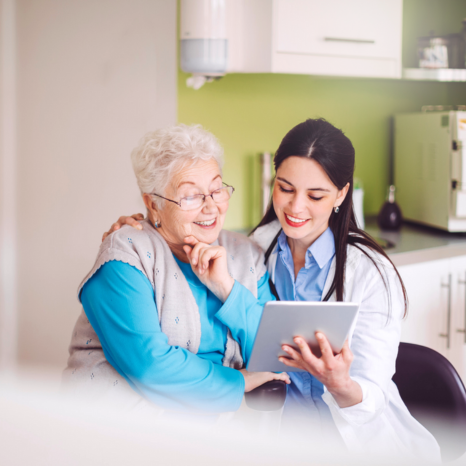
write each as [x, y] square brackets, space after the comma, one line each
[178, 252]
[176, 249]
[299, 247]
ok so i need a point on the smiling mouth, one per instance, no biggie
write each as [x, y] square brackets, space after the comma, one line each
[207, 223]
[295, 222]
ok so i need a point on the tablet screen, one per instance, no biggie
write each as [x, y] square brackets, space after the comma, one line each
[283, 320]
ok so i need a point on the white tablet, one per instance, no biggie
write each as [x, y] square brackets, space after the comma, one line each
[283, 320]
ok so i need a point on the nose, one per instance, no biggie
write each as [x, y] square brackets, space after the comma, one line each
[298, 203]
[209, 205]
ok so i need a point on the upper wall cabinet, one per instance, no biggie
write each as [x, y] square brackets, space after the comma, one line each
[320, 37]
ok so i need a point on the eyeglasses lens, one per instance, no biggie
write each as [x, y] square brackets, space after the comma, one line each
[222, 195]
[194, 202]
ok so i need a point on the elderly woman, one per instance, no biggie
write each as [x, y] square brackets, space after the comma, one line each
[172, 309]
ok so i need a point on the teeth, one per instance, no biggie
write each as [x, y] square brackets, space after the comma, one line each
[295, 220]
[207, 223]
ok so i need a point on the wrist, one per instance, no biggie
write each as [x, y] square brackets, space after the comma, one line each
[346, 394]
[226, 288]
[229, 287]
[342, 388]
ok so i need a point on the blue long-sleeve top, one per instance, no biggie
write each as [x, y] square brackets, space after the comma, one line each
[119, 302]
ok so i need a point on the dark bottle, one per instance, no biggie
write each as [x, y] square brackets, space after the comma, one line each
[390, 217]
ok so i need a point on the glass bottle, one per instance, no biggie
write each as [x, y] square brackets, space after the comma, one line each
[390, 217]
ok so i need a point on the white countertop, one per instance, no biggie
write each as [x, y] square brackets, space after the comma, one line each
[415, 244]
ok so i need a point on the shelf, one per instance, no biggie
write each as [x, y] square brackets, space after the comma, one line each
[443, 74]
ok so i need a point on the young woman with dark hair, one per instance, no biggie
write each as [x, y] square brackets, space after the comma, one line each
[314, 250]
[320, 141]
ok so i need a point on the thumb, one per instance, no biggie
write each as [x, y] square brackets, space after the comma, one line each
[346, 353]
[188, 250]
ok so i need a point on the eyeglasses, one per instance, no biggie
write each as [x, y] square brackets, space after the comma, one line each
[196, 201]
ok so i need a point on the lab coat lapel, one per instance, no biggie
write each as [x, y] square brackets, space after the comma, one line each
[352, 261]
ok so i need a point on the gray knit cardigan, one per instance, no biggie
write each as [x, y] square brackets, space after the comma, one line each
[178, 312]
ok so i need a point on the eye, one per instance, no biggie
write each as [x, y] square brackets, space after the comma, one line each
[315, 198]
[283, 190]
[190, 192]
[191, 199]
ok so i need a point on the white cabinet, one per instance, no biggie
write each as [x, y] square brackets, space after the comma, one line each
[458, 318]
[331, 37]
[436, 317]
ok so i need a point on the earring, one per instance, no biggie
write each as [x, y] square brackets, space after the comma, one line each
[157, 224]
[337, 209]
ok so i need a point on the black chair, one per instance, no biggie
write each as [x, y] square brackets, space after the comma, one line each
[434, 394]
[268, 397]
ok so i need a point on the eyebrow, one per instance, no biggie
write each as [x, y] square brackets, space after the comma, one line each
[192, 183]
[309, 189]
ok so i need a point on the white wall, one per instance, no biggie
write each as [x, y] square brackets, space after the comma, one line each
[8, 214]
[93, 76]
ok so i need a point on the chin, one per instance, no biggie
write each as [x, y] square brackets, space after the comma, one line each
[208, 236]
[297, 233]
[291, 233]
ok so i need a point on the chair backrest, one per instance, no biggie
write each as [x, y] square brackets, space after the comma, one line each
[434, 394]
[268, 397]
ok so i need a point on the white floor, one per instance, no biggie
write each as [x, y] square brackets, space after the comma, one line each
[38, 426]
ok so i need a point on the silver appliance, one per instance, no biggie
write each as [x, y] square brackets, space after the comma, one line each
[430, 168]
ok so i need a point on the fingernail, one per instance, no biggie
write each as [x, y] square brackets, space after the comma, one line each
[319, 335]
[139, 227]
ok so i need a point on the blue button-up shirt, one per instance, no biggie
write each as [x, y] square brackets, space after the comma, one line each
[304, 404]
[310, 281]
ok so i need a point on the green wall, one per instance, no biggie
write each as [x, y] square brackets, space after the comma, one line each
[250, 113]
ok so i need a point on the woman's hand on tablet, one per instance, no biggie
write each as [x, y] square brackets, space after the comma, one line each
[253, 380]
[124, 220]
[332, 370]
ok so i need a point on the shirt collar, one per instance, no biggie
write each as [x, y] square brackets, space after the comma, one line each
[322, 249]
[282, 242]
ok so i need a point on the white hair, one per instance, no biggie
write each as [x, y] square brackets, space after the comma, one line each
[161, 152]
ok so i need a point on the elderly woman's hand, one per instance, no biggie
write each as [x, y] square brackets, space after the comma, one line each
[332, 370]
[209, 263]
[253, 380]
[123, 220]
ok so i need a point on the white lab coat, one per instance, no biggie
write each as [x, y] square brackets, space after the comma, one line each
[381, 423]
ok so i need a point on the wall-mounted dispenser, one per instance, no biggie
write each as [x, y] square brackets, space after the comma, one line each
[204, 43]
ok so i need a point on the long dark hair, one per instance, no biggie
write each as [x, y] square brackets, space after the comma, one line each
[334, 152]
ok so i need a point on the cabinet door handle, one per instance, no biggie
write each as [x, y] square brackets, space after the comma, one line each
[463, 330]
[344, 39]
[447, 335]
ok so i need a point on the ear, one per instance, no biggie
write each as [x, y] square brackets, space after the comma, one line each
[151, 207]
[341, 195]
